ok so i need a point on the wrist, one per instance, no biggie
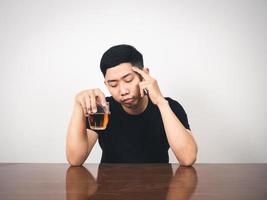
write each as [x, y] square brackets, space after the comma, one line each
[162, 103]
[77, 108]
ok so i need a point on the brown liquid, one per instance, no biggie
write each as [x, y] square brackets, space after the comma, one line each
[98, 121]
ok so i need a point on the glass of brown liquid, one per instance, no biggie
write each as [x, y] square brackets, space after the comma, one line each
[99, 119]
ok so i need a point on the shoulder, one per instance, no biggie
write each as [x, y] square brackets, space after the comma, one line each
[111, 100]
[179, 111]
[113, 104]
[173, 102]
[175, 106]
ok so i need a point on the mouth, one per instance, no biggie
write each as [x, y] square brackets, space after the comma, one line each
[128, 101]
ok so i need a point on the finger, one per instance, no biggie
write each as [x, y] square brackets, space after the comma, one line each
[101, 97]
[84, 106]
[142, 92]
[145, 91]
[142, 87]
[93, 103]
[145, 75]
[86, 100]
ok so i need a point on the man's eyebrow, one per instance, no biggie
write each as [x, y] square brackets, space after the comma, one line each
[124, 76]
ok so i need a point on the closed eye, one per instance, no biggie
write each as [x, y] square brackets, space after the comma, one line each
[128, 78]
[112, 83]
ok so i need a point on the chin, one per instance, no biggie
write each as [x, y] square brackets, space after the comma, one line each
[127, 105]
[131, 105]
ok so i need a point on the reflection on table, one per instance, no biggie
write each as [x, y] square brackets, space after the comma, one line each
[131, 182]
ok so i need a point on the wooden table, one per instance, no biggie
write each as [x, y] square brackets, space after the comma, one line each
[133, 181]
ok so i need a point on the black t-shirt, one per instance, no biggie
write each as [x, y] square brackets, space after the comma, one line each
[136, 138]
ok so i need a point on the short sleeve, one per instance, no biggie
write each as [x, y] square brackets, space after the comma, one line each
[179, 112]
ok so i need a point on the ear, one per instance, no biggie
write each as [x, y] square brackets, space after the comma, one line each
[146, 70]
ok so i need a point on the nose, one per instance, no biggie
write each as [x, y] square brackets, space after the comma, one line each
[123, 89]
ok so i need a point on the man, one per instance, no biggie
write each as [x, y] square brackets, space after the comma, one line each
[143, 124]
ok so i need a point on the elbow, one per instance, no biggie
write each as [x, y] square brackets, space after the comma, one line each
[75, 158]
[188, 160]
[74, 163]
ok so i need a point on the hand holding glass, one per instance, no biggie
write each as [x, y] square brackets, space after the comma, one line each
[99, 119]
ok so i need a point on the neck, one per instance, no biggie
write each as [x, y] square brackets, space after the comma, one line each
[138, 108]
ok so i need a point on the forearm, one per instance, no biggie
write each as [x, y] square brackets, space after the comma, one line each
[77, 142]
[181, 141]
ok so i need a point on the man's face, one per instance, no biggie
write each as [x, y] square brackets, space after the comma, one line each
[123, 84]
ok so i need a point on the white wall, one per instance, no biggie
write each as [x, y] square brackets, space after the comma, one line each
[209, 55]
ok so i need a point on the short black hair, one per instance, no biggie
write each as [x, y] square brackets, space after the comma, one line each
[121, 54]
